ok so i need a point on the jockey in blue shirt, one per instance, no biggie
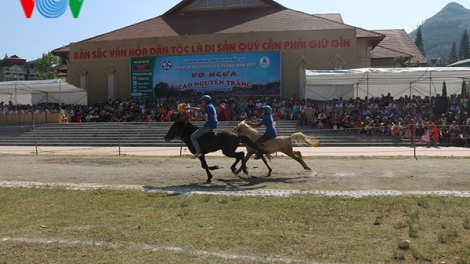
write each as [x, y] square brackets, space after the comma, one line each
[268, 122]
[209, 126]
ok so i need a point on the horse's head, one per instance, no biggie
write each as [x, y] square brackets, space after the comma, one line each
[237, 129]
[244, 129]
[175, 130]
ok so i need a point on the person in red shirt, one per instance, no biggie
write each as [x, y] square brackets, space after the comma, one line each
[222, 114]
[162, 117]
[435, 134]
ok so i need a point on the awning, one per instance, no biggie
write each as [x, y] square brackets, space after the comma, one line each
[42, 91]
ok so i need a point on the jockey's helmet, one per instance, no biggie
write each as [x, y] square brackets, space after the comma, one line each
[268, 109]
[206, 97]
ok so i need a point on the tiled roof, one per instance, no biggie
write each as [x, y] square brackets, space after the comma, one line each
[226, 21]
[61, 50]
[364, 33]
[380, 52]
[398, 40]
[184, 3]
[12, 57]
[274, 17]
[360, 32]
[12, 60]
[334, 17]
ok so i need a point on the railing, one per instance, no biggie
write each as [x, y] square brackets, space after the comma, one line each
[37, 117]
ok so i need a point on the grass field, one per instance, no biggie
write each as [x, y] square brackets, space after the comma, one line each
[40, 225]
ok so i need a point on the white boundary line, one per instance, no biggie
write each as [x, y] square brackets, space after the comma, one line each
[147, 247]
[230, 191]
[191, 191]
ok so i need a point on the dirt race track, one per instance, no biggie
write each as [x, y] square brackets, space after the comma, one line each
[328, 173]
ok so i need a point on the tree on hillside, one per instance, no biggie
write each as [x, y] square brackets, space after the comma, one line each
[464, 89]
[461, 103]
[419, 41]
[46, 67]
[464, 48]
[453, 53]
[461, 113]
[444, 89]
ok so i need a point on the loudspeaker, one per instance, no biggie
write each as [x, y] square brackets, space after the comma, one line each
[441, 105]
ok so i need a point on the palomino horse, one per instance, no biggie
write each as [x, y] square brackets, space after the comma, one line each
[279, 144]
[226, 141]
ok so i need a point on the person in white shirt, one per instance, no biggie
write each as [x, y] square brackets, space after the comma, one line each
[374, 106]
[339, 105]
[322, 117]
[444, 119]
[383, 111]
[243, 115]
[258, 105]
[88, 117]
[329, 107]
[350, 105]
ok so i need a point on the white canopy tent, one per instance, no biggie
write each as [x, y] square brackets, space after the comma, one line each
[329, 84]
[42, 91]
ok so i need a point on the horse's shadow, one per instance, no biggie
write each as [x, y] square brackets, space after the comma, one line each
[199, 188]
[255, 181]
[234, 186]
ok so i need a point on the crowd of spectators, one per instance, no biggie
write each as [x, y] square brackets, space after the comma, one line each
[404, 117]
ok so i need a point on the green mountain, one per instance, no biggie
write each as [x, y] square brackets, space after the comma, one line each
[442, 29]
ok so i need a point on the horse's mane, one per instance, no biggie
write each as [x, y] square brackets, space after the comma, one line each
[184, 121]
[244, 125]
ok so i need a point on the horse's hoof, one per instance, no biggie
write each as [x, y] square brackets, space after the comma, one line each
[209, 179]
[246, 172]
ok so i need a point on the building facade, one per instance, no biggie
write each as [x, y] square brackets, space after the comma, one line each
[222, 47]
[14, 68]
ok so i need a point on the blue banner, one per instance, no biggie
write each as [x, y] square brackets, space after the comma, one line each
[233, 74]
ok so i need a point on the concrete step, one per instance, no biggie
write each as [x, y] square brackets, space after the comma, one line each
[151, 134]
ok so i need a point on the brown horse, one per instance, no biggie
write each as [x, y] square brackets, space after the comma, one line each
[228, 142]
[279, 144]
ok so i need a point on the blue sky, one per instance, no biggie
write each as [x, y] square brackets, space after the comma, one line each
[30, 38]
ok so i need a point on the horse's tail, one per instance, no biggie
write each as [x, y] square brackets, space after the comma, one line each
[299, 138]
[253, 145]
